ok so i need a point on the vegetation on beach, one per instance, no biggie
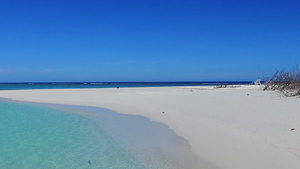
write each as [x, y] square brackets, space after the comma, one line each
[287, 82]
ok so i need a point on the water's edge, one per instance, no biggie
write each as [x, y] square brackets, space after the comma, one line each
[153, 144]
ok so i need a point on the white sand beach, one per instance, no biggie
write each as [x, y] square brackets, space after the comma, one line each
[227, 128]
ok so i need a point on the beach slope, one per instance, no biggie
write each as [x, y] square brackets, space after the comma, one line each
[227, 128]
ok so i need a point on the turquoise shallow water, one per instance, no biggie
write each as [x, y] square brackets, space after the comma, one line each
[53, 136]
[39, 137]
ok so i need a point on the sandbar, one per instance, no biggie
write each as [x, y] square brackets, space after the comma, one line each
[241, 127]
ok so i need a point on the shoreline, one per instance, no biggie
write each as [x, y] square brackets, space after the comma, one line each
[143, 144]
[241, 127]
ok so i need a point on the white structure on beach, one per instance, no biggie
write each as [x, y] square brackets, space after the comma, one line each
[257, 82]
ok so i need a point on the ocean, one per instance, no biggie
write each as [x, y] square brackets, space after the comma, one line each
[72, 85]
[60, 136]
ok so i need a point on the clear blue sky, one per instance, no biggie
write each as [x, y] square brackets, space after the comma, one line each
[147, 40]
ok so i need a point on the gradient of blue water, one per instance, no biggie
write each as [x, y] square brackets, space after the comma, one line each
[36, 136]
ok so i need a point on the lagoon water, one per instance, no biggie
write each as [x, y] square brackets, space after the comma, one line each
[57, 136]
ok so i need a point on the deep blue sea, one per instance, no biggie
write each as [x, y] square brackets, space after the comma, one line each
[68, 85]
